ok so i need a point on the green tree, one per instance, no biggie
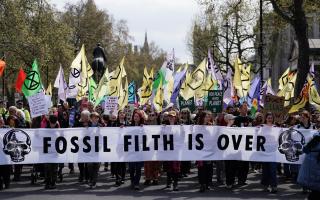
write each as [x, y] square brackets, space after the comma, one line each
[32, 29]
[294, 13]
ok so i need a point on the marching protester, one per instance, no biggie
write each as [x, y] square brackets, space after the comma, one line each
[269, 169]
[51, 169]
[93, 168]
[83, 167]
[5, 170]
[172, 167]
[185, 119]
[152, 168]
[309, 173]
[230, 165]
[205, 168]
[243, 120]
[119, 168]
[135, 167]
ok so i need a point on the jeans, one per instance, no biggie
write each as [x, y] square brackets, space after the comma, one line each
[135, 172]
[269, 174]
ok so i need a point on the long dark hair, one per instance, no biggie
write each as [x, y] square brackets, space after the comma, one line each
[202, 116]
[267, 115]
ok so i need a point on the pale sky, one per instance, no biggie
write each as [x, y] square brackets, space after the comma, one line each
[168, 22]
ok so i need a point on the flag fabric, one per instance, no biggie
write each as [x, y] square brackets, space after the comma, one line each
[2, 67]
[123, 98]
[214, 70]
[254, 92]
[158, 98]
[284, 79]
[179, 78]
[314, 97]
[237, 76]
[288, 90]
[86, 74]
[20, 79]
[49, 90]
[103, 87]
[132, 92]
[301, 100]
[75, 75]
[115, 81]
[228, 87]
[61, 84]
[32, 83]
[92, 88]
[266, 89]
[195, 81]
[169, 81]
[245, 80]
[145, 92]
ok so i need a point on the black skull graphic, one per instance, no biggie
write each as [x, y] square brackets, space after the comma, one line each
[16, 144]
[291, 144]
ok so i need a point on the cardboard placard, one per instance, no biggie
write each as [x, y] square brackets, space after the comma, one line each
[38, 105]
[275, 105]
[111, 105]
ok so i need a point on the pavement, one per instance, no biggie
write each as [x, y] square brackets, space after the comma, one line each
[70, 189]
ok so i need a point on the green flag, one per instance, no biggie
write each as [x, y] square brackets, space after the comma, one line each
[92, 88]
[160, 78]
[32, 84]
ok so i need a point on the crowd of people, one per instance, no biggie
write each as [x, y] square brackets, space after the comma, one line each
[230, 173]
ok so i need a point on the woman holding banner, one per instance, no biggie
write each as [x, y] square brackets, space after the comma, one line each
[205, 168]
[152, 168]
[120, 167]
[173, 167]
[51, 169]
[135, 167]
[269, 169]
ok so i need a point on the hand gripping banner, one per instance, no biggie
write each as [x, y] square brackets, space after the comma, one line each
[128, 144]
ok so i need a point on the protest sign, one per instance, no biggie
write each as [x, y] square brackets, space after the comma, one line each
[38, 104]
[187, 103]
[275, 105]
[215, 101]
[111, 105]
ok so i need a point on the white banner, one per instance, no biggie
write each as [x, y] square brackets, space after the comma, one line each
[73, 145]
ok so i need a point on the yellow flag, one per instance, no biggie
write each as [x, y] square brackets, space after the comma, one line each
[103, 87]
[146, 88]
[301, 101]
[195, 82]
[314, 97]
[49, 90]
[284, 79]
[288, 90]
[123, 98]
[245, 79]
[183, 89]
[116, 78]
[158, 99]
[86, 73]
[237, 76]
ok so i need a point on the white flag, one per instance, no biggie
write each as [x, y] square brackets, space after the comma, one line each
[61, 84]
[74, 76]
[169, 69]
[213, 68]
[228, 87]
